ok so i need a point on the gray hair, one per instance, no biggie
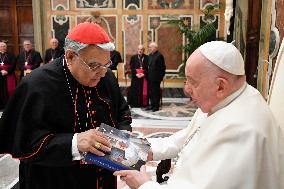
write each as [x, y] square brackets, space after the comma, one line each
[154, 44]
[141, 46]
[77, 46]
[73, 45]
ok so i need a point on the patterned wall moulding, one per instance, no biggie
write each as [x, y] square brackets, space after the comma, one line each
[59, 27]
[59, 5]
[171, 4]
[133, 4]
[108, 22]
[204, 3]
[229, 13]
[274, 42]
[100, 4]
[280, 17]
[132, 30]
[215, 19]
[240, 30]
[169, 40]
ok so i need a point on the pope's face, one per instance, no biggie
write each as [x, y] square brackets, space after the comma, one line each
[199, 86]
[88, 66]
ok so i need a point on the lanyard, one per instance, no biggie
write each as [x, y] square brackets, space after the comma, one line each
[141, 58]
[53, 53]
[27, 57]
[3, 56]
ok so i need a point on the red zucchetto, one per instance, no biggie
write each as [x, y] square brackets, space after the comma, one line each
[88, 33]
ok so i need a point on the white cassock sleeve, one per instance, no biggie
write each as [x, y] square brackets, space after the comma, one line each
[169, 147]
[231, 159]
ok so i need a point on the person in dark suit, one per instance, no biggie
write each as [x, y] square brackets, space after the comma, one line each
[115, 58]
[7, 73]
[156, 73]
[53, 52]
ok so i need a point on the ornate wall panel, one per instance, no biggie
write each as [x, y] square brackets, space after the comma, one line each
[280, 17]
[169, 40]
[101, 4]
[277, 30]
[60, 5]
[108, 22]
[60, 26]
[276, 37]
[170, 4]
[132, 29]
[133, 4]
[204, 3]
[215, 19]
[133, 22]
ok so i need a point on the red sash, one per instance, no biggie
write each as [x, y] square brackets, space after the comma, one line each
[139, 71]
[145, 95]
[11, 84]
[145, 87]
[28, 67]
[4, 67]
[11, 81]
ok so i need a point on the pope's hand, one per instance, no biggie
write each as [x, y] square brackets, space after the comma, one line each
[93, 141]
[134, 179]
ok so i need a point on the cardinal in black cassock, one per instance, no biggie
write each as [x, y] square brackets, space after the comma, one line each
[53, 52]
[7, 75]
[49, 106]
[28, 59]
[138, 93]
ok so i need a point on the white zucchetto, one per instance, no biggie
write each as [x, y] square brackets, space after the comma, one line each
[224, 55]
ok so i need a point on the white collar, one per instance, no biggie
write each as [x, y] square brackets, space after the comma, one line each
[228, 99]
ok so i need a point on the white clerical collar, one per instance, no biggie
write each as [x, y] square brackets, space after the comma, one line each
[228, 99]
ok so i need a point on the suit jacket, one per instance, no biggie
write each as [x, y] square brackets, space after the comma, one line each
[238, 146]
[157, 67]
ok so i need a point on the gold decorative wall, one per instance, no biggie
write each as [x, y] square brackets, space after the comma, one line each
[272, 33]
[133, 22]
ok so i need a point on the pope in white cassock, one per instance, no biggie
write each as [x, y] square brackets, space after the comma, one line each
[233, 140]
